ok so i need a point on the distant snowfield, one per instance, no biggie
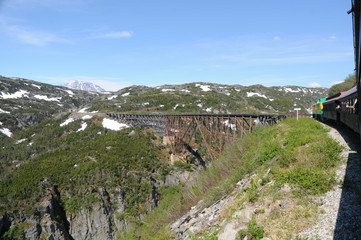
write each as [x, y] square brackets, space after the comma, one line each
[205, 88]
[251, 94]
[112, 97]
[6, 131]
[83, 110]
[45, 98]
[168, 90]
[125, 94]
[17, 94]
[113, 125]
[185, 90]
[37, 86]
[69, 120]
[85, 117]
[291, 90]
[69, 92]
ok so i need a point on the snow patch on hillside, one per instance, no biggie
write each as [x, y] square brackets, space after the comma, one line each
[85, 117]
[37, 86]
[83, 110]
[69, 120]
[45, 98]
[83, 127]
[20, 141]
[113, 125]
[168, 90]
[3, 111]
[6, 131]
[205, 88]
[291, 90]
[17, 94]
[70, 92]
[125, 94]
[112, 97]
[251, 94]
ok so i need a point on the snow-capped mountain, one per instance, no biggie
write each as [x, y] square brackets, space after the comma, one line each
[24, 103]
[85, 86]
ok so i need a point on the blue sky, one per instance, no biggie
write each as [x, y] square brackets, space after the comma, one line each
[116, 43]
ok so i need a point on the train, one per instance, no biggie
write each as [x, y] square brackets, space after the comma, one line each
[356, 20]
[343, 108]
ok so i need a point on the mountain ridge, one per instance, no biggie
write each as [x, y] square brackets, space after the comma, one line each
[24, 103]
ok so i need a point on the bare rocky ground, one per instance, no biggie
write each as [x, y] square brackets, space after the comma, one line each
[341, 214]
[340, 210]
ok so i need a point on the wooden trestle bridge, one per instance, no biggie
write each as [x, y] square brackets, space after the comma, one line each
[215, 130]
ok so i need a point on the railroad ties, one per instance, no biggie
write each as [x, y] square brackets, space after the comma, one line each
[214, 130]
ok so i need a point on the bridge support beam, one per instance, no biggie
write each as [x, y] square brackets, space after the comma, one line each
[212, 130]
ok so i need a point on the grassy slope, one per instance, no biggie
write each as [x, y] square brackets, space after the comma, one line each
[298, 153]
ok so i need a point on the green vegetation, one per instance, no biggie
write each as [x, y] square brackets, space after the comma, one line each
[283, 149]
[190, 98]
[78, 162]
[298, 154]
[253, 231]
[14, 233]
[347, 84]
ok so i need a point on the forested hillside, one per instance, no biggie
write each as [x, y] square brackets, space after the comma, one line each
[347, 84]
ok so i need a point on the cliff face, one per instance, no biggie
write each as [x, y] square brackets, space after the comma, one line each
[48, 222]
[100, 220]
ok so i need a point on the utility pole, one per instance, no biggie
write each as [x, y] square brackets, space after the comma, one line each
[297, 109]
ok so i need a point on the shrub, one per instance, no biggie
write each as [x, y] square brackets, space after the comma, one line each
[253, 231]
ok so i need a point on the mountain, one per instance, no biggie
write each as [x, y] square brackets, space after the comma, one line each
[85, 86]
[24, 103]
[210, 98]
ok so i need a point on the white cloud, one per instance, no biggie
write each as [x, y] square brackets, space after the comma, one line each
[276, 38]
[37, 38]
[109, 84]
[121, 34]
[314, 85]
[334, 83]
[333, 37]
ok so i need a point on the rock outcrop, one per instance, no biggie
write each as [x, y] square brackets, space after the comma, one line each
[100, 219]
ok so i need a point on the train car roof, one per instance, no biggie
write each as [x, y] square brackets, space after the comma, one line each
[342, 95]
[349, 92]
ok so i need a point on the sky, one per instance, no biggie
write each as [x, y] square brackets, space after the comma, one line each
[118, 43]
